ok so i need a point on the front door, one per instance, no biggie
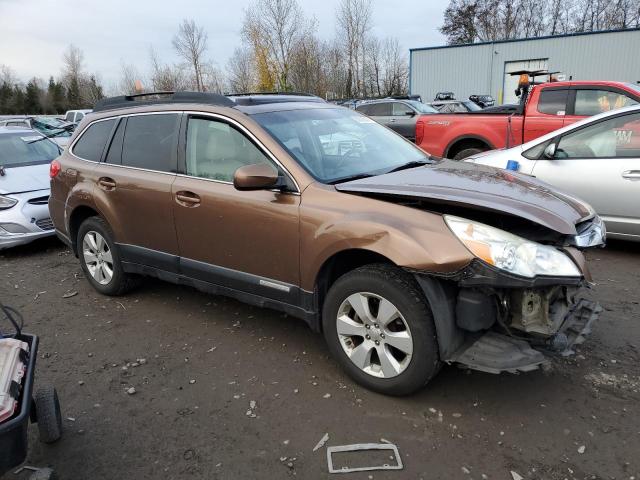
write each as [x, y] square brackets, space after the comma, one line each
[403, 121]
[600, 163]
[245, 240]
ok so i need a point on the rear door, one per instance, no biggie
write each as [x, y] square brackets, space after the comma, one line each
[245, 240]
[549, 113]
[600, 163]
[381, 112]
[133, 188]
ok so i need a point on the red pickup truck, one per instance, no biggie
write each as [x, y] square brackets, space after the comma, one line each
[549, 106]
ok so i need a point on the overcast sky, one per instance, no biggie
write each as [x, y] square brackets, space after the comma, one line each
[35, 33]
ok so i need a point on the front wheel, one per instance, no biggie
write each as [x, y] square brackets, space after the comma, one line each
[380, 329]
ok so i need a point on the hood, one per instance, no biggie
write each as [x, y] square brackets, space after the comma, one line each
[25, 179]
[479, 187]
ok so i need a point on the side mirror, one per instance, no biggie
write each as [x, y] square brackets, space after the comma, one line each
[255, 177]
[550, 151]
[410, 113]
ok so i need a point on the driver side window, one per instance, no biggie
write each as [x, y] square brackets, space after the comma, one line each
[215, 150]
[615, 137]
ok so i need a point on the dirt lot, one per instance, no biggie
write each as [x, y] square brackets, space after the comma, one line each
[207, 358]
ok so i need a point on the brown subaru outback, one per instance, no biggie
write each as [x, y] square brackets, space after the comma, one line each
[401, 260]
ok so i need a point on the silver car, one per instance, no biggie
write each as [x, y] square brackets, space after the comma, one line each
[596, 159]
[25, 156]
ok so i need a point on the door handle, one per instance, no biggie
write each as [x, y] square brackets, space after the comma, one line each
[631, 174]
[393, 120]
[107, 183]
[187, 199]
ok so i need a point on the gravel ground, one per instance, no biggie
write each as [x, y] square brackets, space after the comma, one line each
[225, 390]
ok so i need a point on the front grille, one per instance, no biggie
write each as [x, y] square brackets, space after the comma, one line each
[45, 223]
[39, 200]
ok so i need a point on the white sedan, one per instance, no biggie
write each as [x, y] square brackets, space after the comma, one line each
[596, 159]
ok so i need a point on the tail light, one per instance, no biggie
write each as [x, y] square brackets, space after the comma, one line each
[419, 131]
[54, 169]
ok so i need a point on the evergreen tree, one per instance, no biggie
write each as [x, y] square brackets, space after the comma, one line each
[32, 104]
[17, 103]
[73, 95]
[59, 100]
[6, 94]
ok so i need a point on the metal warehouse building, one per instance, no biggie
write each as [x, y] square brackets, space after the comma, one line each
[483, 68]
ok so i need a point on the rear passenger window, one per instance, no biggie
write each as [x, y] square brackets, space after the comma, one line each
[363, 109]
[553, 102]
[92, 142]
[150, 142]
[380, 109]
[114, 155]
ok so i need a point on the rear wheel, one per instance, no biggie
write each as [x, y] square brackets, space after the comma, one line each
[467, 152]
[379, 327]
[100, 258]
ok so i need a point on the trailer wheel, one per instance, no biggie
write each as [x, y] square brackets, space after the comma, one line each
[44, 474]
[48, 414]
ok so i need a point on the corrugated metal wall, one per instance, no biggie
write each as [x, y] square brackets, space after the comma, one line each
[479, 69]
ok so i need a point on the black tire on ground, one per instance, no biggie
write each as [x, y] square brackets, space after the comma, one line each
[48, 414]
[467, 152]
[401, 290]
[121, 282]
[44, 474]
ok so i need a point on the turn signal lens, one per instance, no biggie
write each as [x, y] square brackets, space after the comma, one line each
[54, 169]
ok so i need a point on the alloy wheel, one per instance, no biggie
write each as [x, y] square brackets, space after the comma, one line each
[97, 257]
[374, 335]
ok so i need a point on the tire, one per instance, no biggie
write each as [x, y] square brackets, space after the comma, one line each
[48, 414]
[397, 289]
[467, 152]
[119, 282]
[43, 474]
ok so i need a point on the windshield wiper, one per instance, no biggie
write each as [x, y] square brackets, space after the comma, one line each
[50, 135]
[351, 178]
[412, 164]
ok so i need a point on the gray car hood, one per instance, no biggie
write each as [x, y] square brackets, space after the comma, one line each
[482, 188]
[25, 179]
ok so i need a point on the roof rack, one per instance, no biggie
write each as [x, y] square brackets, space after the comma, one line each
[263, 98]
[128, 101]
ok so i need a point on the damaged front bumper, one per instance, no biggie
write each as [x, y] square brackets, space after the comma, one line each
[495, 352]
[492, 321]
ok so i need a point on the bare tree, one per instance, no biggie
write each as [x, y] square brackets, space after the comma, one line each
[354, 22]
[73, 60]
[190, 43]
[276, 26]
[241, 71]
[164, 77]
[128, 77]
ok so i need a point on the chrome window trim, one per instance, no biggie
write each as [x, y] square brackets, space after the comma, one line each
[224, 118]
[77, 139]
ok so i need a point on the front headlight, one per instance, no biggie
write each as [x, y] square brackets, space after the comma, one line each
[510, 252]
[7, 202]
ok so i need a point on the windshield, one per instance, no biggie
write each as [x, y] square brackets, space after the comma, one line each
[20, 149]
[634, 86]
[421, 107]
[336, 144]
[50, 127]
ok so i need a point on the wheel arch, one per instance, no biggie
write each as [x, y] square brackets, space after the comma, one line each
[338, 264]
[466, 141]
[78, 215]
